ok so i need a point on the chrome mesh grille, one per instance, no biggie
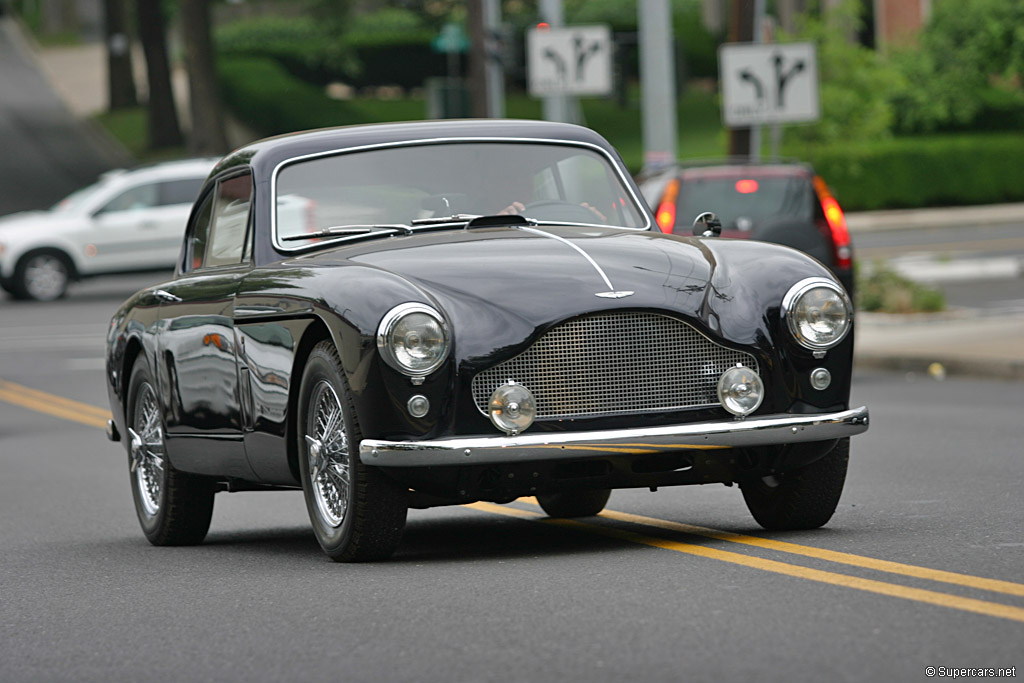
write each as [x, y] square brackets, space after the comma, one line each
[615, 363]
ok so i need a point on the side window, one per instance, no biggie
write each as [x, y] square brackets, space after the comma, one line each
[228, 228]
[195, 248]
[182, 191]
[138, 197]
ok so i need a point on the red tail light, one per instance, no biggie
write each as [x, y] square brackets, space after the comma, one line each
[836, 221]
[666, 214]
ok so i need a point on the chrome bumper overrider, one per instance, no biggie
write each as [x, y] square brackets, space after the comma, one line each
[764, 430]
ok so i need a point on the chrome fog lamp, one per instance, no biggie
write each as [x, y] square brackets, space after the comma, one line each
[413, 339]
[818, 313]
[512, 408]
[740, 390]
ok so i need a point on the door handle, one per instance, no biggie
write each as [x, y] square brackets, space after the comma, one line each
[165, 296]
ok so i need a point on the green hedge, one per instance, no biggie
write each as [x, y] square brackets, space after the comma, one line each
[261, 94]
[948, 170]
[364, 57]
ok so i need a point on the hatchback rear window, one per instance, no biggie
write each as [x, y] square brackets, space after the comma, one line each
[741, 198]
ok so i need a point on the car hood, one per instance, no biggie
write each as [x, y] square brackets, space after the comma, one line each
[502, 286]
[33, 221]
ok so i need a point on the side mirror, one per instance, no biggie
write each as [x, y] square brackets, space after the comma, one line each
[707, 224]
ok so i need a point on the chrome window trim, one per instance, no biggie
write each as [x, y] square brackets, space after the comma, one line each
[422, 142]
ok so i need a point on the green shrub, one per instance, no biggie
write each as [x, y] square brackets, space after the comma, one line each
[970, 168]
[883, 290]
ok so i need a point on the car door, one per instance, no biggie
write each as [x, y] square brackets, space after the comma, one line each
[141, 227]
[198, 366]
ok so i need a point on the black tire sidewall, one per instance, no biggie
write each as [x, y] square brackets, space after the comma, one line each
[151, 525]
[322, 366]
[805, 498]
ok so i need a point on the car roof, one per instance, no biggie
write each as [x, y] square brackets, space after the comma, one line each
[265, 155]
[747, 170]
[173, 169]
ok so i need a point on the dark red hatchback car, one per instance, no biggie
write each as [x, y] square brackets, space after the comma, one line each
[785, 203]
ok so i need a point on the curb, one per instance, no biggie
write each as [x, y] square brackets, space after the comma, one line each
[908, 219]
[938, 367]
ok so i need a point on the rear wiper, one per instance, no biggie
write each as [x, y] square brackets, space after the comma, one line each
[352, 231]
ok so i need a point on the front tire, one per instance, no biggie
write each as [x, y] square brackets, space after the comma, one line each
[803, 498]
[575, 503]
[174, 508]
[41, 276]
[357, 513]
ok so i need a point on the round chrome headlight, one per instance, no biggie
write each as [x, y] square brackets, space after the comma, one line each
[740, 390]
[413, 339]
[512, 408]
[818, 313]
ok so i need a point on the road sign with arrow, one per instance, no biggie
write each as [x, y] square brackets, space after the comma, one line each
[774, 83]
[575, 60]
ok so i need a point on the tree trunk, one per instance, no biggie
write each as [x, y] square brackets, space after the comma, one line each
[120, 79]
[162, 117]
[208, 134]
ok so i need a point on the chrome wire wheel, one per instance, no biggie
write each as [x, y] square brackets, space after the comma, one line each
[147, 450]
[328, 454]
[45, 277]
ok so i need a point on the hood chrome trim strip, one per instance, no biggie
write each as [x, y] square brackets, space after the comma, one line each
[578, 249]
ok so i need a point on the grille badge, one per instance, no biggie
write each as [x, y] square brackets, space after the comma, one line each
[622, 294]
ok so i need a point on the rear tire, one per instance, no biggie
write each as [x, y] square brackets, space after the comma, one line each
[803, 498]
[575, 503]
[174, 508]
[358, 514]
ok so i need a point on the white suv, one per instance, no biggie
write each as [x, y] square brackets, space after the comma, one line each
[128, 221]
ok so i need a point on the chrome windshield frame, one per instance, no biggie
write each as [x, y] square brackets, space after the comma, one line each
[638, 204]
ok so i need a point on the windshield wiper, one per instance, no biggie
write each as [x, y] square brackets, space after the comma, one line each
[444, 220]
[352, 231]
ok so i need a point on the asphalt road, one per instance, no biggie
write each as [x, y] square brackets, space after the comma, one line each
[899, 581]
[975, 266]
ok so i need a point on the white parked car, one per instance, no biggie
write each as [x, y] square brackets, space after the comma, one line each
[128, 221]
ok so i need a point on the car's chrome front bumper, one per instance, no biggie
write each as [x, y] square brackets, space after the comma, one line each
[764, 430]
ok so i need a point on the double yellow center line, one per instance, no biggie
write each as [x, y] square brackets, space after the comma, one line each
[42, 402]
[992, 609]
[610, 523]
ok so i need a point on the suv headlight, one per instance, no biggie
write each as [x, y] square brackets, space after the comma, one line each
[818, 313]
[413, 339]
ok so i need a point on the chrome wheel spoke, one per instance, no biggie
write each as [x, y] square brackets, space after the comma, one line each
[147, 450]
[328, 456]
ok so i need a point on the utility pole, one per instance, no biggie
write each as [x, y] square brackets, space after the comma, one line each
[658, 79]
[495, 68]
[741, 30]
[556, 107]
[477, 60]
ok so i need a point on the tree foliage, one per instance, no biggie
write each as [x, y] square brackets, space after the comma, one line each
[970, 57]
[856, 84]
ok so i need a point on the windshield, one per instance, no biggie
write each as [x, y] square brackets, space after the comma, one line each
[398, 185]
[751, 198]
[80, 197]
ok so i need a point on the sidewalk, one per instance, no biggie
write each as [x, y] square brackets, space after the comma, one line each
[956, 343]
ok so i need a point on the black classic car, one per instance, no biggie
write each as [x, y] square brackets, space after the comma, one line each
[411, 315]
